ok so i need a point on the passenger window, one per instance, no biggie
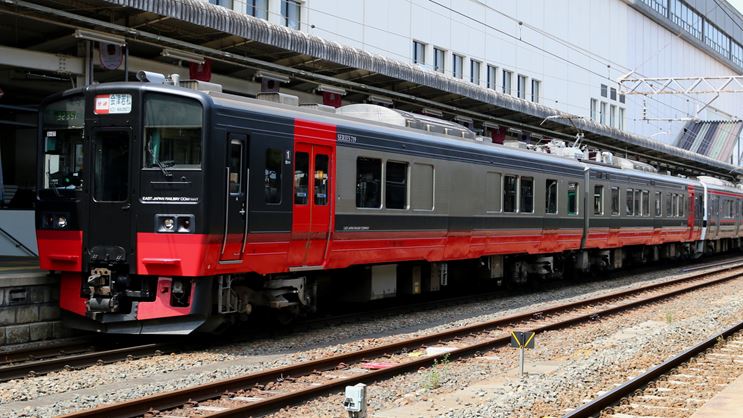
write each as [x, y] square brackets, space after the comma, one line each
[423, 186]
[301, 167]
[322, 179]
[492, 191]
[598, 200]
[368, 183]
[638, 208]
[509, 194]
[675, 205]
[526, 190]
[629, 203]
[669, 204]
[550, 204]
[615, 200]
[272, 177]
[645, 203]
[396, 195]
[573, 198]
[236, 153]
[658, 202]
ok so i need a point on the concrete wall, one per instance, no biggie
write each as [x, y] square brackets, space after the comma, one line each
[20, 224]
[28, 309]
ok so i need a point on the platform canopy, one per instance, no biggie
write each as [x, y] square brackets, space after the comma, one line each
[242, 47]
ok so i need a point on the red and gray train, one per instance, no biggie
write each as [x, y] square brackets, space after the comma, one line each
[169, 210]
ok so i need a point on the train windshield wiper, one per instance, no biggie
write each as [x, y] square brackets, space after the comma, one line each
[163, 166]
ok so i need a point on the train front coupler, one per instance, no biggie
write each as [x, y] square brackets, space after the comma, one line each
[104, 297]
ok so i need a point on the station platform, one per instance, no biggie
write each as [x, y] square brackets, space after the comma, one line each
[726, 404]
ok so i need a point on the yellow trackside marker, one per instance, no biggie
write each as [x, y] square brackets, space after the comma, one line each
[522, 340]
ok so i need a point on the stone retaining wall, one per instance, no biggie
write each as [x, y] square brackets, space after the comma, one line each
[28, 309]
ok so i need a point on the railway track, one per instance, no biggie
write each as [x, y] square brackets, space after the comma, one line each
[678, 386]
[80, 354]
[37, 362]
[280, 387]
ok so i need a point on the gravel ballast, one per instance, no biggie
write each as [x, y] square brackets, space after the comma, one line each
[67, 391]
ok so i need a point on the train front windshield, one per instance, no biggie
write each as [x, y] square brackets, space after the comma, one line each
[172, 132]
[62, 130]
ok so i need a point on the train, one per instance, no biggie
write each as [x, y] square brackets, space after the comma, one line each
[170, 207]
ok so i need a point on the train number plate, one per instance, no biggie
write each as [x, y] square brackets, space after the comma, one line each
[108, 104]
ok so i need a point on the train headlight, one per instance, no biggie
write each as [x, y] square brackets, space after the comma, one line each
[168, 223]
[174, 223]
[61, 222]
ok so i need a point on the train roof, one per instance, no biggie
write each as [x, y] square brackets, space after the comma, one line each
[349, 120]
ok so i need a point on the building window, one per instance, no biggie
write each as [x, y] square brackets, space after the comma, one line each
[602, 113]
[507, 80]
[550, 198]
[594, 105]
[224, 3]
[272, 175]
[457, 69]
[257, 8]
[716, 39]
[290, 12]
[535, 90]
[368, 183]
[613, 93]
[521, 87]
[658, 5]
[439, 56]
[612, 116]
[572, 198]
[396, 185]
[475, 72]
[492, 73]
[621, 98]
[604, 90]
[736, 53]
[419, 52]
[620, 119]
[687, 18]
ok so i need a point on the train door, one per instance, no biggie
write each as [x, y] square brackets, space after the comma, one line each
[312, 204]
[705, 211]
[312, 210]
[236, 196]
[714, 221]
[110, 235]
[691, 212]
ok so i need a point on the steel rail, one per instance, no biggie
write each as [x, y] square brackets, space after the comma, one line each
[19, 356]
[36, 367]
[615, 395]
[180, 397]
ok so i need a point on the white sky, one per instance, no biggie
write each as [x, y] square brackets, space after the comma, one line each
[738, 4]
